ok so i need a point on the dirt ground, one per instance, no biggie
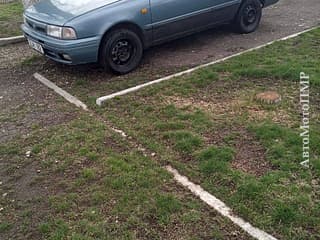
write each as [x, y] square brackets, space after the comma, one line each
[285, 18]
[25, 104]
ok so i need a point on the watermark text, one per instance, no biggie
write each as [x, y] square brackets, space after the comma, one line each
[305, 123]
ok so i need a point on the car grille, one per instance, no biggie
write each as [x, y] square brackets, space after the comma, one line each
[36, 26]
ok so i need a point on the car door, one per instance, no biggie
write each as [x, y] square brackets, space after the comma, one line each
[171, 18]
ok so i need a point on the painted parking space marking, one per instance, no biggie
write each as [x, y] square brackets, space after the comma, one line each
[102, 99]
[60, 91]
[219, 206]
[11, 40]
[197, 190]
[72, 99]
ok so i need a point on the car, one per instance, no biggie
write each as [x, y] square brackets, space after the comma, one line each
[115, 33]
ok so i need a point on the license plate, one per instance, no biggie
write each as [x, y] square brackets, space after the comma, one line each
[36, 46]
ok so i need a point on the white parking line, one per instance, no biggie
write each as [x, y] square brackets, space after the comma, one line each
[197, 190]
[11, 40]
[60, 91]
[122, 133]
[219, 206]
[100, 100]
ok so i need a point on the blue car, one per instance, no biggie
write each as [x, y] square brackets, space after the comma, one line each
[116, 32]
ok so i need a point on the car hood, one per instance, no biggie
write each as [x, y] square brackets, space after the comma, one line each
[59, 12]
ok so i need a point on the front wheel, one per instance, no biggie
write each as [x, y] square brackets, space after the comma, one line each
[121, 51]
[249, 16]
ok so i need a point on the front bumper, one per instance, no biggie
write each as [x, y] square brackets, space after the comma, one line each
[80, 50]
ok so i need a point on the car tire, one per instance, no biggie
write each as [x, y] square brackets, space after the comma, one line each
[248, 17]
[121, 51]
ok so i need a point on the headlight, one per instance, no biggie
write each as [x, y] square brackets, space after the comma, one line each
[61, 32]
[54, 31]
[68, 33]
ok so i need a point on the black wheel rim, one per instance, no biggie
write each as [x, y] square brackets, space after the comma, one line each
[250, 15]
[122, 52]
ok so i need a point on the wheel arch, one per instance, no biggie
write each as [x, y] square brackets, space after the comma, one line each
[123, 25]
[261, 1]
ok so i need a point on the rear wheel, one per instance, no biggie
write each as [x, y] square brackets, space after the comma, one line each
[248, 17]
[121, 51]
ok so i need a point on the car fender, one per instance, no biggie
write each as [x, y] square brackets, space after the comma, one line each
[100, 21]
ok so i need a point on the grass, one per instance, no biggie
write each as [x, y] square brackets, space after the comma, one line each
[5, 227]
[10, 19]
[214, 159]
[198, 122]
[33, 60]
[98, 187]
[184, 141]
[95, 185]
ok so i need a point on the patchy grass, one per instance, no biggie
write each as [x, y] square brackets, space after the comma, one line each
[196, 121]
[32, 61]
[5, 227]
[10, 19]
[214, 159]
[85, 182]
[184, 141]
[283, 60]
